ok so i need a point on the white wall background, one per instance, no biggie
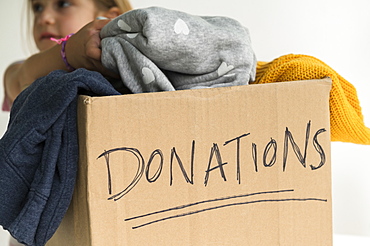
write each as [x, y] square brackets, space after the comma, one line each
[335, 31]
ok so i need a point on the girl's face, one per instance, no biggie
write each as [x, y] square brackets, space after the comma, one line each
[58, 18]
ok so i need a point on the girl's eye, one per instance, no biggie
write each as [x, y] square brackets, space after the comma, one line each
[63, 4]
[37, 7]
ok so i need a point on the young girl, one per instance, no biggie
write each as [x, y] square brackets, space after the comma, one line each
[57, 19]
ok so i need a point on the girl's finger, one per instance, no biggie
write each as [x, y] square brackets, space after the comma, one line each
[99, 24]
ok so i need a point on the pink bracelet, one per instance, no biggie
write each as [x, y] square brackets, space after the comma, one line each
[63, 42]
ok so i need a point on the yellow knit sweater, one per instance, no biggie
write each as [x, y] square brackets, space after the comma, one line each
[346, 119]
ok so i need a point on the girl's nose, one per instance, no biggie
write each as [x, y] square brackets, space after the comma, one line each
[47, 17]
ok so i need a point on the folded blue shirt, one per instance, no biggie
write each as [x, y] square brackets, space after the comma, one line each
[39, 153]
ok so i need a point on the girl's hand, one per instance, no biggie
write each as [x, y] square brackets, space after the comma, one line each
[83, 49]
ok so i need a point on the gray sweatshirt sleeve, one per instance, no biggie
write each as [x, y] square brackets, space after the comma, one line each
[157, 49]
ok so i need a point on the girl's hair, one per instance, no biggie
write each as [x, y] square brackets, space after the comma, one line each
[123, 5]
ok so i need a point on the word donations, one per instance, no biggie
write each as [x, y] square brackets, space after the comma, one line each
[152, 168]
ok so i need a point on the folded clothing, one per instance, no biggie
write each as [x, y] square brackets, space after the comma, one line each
[346, 119]
[157, 49]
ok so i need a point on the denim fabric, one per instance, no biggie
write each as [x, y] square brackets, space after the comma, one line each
[39, 153]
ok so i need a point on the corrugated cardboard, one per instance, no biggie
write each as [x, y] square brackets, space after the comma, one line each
[244, 165]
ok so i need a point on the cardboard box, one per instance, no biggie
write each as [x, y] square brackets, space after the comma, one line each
[244, 165]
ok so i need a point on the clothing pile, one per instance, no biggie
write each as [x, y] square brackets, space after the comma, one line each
[152, 49]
